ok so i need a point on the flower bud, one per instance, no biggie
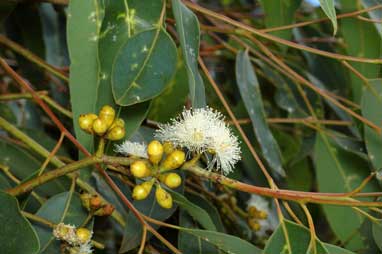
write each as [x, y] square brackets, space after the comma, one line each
[139, 169]
[168, 147]
[83, 235]
[107, 114]
[116, 133]
[140, 192]
[105, 210]
[118, 122]
[99, 126]
[95, 202]
[155, 151]
[85, 199]
[174, 160]
[172, 180]
[163, 198]
[86, 122]
[148, 185]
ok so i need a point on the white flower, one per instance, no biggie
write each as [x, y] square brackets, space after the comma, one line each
[268, 224]
[66, 233]
[132, 148]
[203, 130]
[85, 248]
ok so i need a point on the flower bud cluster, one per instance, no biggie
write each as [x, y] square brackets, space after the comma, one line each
[95, 205]
[153, 168]
[105, 124]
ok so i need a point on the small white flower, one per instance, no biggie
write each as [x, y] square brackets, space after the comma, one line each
[203, 130]
[132, 148]
[85, 248]
[268, 224]
[66, 233]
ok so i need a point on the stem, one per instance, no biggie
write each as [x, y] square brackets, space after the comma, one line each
[48, 176]
[32, 57]
[296, 196]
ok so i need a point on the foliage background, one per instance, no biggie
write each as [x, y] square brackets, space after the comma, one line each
[306, 99]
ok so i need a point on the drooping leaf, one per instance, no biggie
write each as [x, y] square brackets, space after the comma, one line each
[64, 207]
[371, 104]
[83, 35]
[16, 233]
[197, 213]
[226, 243]
[138, 71]
[340, 171]
[354, 32]
[250, 92]
[328, 6]
[187, 26]
[280, 13]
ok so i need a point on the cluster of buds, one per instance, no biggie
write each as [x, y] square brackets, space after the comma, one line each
[95, 205]
[161, 159]
[255, 216]
[78, 240]
[104, 125]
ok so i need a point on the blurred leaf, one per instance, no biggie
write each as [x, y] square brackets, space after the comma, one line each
[83, 35]
[328, 6]
[197, 213]
[280, 13]
[340, 171]
[171, 102]
[299, 175]
[227, 243]
[190, 244]
[354, 32]
[7, 113]
[16, 233]
[187, 26]
[332, 249]
[4, 183]
[6, 7]
[64, 207]
[138, 71]
[23, 165]
[250, 92]
[375, 14]
[371, 110]
[377, 233]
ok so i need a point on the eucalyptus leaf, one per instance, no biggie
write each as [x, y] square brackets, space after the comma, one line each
[328, 6]
[250, 92]
[187, 26]
[16, 233]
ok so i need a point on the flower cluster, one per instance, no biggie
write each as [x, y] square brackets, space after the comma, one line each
[78, 239]
[262, 218]
[203, 130]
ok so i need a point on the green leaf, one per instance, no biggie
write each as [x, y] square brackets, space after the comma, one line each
[329, 8]
[83, 35]
[375, 14]
[280, 13]
[377, 233]
[64, 207]
[354, 32]
[340, 171]
[209, 208]
[16, 233]
[250, 92]
[139, 72]
[187, 26]
[332, 249]
[171, 102]
[227, 243]
[190, 244]
[197, 213]
[371, 105]
[22, 165]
